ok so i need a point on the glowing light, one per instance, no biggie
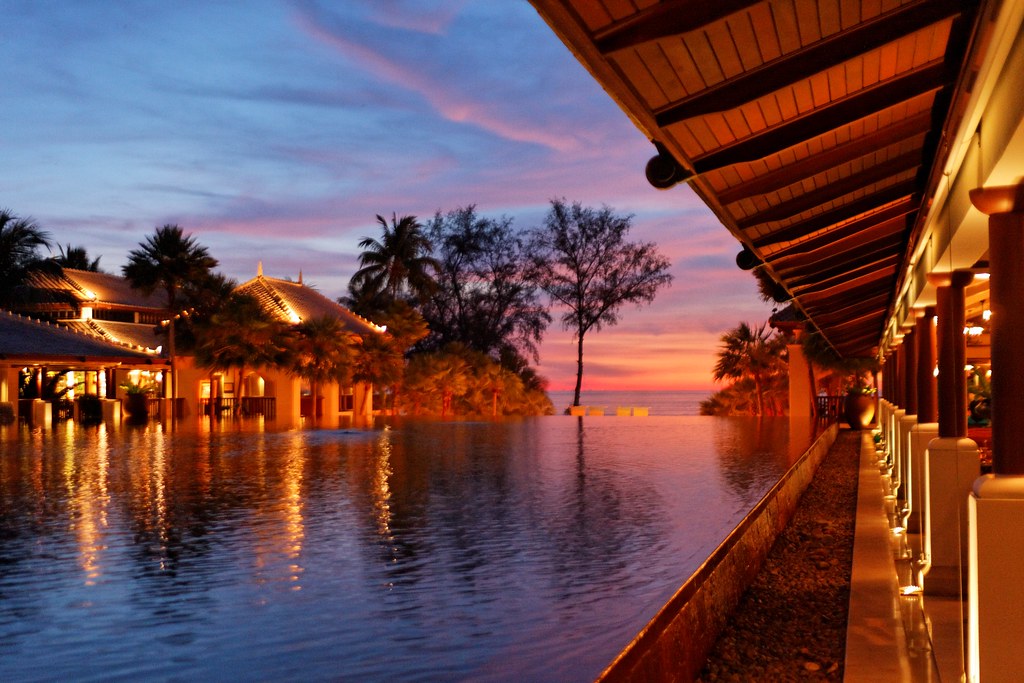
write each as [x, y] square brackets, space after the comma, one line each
[974, 330]
[986, 315]
[935, 371]
[911, 590]
[982, 276]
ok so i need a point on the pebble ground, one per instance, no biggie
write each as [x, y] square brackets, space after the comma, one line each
[790, 625]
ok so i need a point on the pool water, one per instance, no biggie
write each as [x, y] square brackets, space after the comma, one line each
[529, 549]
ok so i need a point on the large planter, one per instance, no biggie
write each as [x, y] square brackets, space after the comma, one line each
[136, 407]
[859, 410]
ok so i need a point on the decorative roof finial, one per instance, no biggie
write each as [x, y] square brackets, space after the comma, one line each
[259, 269]
[300, 276]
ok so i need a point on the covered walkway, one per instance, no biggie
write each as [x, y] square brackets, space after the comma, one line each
[869, 159]
[891, 635]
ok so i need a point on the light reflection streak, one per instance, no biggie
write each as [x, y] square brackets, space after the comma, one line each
[86, 483]
[282, 541]
[381, 489]
[294, 522]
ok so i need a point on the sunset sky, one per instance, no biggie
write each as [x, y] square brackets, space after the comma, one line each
[275, 131]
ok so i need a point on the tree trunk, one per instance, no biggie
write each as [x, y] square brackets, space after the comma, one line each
[236, 407]
[759, 407]
[814, 389]
[579, 371]
[173, 369]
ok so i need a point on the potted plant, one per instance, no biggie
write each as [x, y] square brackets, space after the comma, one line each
[859, 408]
[979, 390]
[136, 400]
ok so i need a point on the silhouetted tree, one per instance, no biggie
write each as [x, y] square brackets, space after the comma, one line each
[397, 265]
[485, 298]
[77, 258]
[240, 335]
[582, 259]
[755, 354]
[320, 352]
[168, 260]
[21, 240]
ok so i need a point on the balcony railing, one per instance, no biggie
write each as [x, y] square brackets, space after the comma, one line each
[249, 406]
[830, 408]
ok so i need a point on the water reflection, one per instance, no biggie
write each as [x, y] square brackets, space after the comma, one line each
[508, 550]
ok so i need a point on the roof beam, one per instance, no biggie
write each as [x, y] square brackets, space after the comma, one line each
[858, 147]
[824, 119]
[839, 214]
[858, 282]
[866, 253]
[891, 214]
[669, 18]
[829, 280]
[813, 59]
[886, 235]
[832, 191]
[865, 302]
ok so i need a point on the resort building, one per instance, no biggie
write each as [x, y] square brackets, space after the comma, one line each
[70, 362]
[105, 334]
[868, 159]
[273, 392]
[98, 303]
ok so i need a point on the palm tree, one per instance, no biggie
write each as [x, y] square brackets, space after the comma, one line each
[378, 360]
[20, 242]
[751, 353]
[168, 260]
[321, 352]
[240, 335]
[397, 264]
[77, 258]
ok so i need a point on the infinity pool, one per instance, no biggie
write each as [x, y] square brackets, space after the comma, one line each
[519, 550]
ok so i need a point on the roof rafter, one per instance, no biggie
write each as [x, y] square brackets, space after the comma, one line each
[874, 264]
[835, 309]
[833, 191]
[826, 118]
[895, 215]
[669, 18]
[858, 147]
[865, 253]
[839, 214]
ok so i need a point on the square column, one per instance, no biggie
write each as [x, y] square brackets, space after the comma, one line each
[996, 599]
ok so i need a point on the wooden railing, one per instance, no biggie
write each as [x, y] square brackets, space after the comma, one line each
[830, 408]
[249, 406]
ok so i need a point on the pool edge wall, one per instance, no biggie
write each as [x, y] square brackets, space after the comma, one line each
[674, 645]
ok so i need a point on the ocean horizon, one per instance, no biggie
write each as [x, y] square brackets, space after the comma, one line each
[658, 403]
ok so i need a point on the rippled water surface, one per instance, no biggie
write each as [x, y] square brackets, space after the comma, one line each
[519, 550]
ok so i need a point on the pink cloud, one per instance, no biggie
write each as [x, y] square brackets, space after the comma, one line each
[447, 103]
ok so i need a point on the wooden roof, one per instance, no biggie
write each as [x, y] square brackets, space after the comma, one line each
[293, 302]
[24, 340]
[812, 128]
[96, 289]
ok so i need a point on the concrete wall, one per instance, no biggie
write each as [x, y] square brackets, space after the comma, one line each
[674, 645]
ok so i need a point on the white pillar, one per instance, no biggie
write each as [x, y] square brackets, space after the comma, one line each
[996, 584]
[951, 466]
[921, 434]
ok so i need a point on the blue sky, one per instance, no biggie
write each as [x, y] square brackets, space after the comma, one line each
[276, 130]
